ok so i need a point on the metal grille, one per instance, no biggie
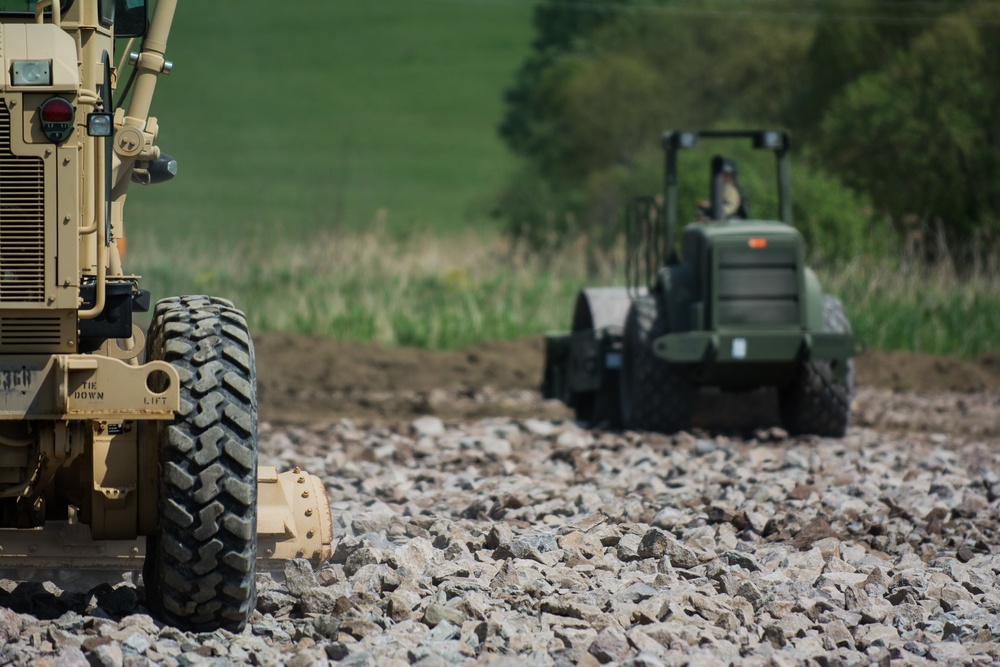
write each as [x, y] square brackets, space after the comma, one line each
[758, 286]
[30, 331]
[22, 222]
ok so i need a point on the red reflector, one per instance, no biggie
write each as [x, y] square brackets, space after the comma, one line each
[757, 243]
[57, 110]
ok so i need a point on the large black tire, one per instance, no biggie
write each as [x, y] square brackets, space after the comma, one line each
[655, 394]
[815, 402]
[601, 407]
[200, 565]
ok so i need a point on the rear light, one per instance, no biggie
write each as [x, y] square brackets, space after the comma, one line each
[57, 117]
[757, 243]
[57, 110]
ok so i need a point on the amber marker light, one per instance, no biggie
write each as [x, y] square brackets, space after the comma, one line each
[757, 243]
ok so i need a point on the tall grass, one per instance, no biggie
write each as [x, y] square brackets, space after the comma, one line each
[905, 304]
[425, 291]
[447, 292]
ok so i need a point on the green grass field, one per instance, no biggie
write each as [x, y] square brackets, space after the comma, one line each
[288, 118]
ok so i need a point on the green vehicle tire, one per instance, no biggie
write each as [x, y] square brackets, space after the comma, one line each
[816, 402]
[200, 567]
[601, 407]
[656, 395]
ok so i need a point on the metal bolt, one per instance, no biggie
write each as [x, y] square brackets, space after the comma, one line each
[309, 512]
[296, 470]
[305, 494]
[309, 535]
[168, 67]
[133, 58]
[302, 480]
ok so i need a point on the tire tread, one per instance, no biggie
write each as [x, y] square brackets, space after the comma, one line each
[815, 403]
[201, 564]
[656, 394]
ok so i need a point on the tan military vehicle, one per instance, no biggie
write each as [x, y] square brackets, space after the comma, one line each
[107, 433]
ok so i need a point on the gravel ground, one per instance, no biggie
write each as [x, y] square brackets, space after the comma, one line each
[535, 542]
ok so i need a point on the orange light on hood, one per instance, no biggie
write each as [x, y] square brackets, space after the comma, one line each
[757, 243]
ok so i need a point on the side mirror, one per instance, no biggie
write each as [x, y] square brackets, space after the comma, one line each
[131, 18]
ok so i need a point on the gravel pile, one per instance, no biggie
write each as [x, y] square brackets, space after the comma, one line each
[532, 542]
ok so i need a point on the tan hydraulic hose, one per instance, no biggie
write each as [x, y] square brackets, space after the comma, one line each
[102, 241]
[150, 63]
[102, 278]
[125, 52]
[56, 6]
[90, 199]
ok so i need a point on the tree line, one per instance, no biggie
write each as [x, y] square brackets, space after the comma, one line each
[894, 107]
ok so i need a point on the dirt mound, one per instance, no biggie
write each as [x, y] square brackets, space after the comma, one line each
[317, 379]
[287, 361]
[309, 378]
[909, 371]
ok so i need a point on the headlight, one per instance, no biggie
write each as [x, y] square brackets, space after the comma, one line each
[99, 124]
[687, 140]
[772, 139]
[31, 72]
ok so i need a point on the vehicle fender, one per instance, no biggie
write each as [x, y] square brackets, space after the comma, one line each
[676, 285]
[577, 361]
[599, 308]
[591, 355]
[813, 297]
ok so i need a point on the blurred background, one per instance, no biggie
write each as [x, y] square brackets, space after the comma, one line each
[438, 172]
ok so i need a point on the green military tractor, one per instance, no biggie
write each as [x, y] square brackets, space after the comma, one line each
[737, 310]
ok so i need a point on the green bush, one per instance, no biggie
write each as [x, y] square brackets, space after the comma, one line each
[900, 112]
[837, 223]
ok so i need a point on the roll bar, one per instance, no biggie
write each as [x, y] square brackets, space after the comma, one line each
[674, 141]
